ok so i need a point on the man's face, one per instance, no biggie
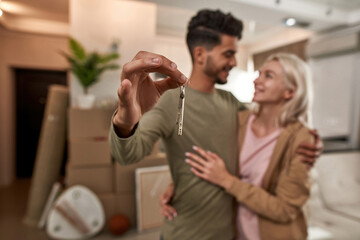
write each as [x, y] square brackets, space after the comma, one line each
[221, 59]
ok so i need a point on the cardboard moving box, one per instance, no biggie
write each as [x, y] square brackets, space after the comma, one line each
[85, 153]
[89, 123]
[125, 175]
[99, 179]
[119, 204]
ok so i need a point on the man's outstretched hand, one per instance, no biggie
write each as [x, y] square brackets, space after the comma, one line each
[138, 93]
[311, 152]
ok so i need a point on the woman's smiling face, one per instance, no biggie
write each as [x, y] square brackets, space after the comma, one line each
[270, 85]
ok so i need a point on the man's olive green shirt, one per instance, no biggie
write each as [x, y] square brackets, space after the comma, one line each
[205, 211]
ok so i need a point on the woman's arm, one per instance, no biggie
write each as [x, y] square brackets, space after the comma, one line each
[291, 192]
[285, 204]
[210, 167]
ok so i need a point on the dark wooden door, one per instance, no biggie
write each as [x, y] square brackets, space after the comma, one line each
[31, 92]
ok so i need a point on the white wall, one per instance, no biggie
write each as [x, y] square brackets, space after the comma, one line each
[97, 23]
[176, 50]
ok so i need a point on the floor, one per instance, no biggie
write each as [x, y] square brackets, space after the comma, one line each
[325, 224]
[13, 200]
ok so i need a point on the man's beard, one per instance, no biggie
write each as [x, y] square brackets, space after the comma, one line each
[209, 71]
[220, 82]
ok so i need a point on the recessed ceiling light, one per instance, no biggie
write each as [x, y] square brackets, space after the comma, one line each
[290, 21]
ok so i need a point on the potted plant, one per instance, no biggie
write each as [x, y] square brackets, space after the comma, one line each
[87, 67]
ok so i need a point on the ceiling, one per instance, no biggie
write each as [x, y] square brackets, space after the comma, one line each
[262, 18]
[56, 10]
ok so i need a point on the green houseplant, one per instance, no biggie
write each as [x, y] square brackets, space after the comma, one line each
[87, 67]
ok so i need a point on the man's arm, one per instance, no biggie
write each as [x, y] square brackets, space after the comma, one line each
[310, 152]
[157, 123]
[130, 140]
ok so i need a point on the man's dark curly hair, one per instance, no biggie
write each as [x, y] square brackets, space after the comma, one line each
[205, 27]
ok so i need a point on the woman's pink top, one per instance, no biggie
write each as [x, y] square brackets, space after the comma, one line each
[254, 159]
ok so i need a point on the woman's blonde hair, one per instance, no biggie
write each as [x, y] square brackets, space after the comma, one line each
[297, 77]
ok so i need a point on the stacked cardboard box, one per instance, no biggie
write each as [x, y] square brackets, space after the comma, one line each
[90, 163]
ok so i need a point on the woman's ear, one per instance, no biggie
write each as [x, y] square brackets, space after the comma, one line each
[289, 94]
[199, 55]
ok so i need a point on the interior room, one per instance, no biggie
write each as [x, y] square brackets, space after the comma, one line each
[55, 125]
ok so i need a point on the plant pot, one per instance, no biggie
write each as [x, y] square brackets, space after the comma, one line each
[86, 101]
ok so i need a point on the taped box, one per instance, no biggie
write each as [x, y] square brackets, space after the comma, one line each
[119, 204]
[85, 153]
[99, 179]
[89, 123]
[125, 175]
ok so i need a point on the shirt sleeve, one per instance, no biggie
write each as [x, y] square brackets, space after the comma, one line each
[156, 123]
[241, 106]
[291, 192]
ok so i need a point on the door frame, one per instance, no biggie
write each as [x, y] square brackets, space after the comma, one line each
[14, 86]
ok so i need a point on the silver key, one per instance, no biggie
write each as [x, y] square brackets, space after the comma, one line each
[180, 113]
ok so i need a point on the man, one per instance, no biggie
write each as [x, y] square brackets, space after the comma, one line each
[204, 210]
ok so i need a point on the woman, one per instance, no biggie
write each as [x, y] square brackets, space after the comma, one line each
[272, 185]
